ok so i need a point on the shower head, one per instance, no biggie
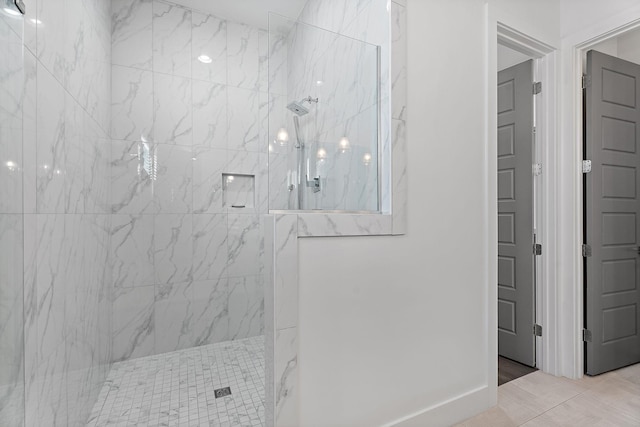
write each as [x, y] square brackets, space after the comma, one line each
[298, 108]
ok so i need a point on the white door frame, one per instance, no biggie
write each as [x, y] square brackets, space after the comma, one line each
[545, 193]
[570, 220]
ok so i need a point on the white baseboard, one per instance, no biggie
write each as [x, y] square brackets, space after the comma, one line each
[449, 412]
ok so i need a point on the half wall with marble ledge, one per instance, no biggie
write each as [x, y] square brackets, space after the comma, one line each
[337, 156]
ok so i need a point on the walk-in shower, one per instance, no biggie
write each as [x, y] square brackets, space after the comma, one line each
[134, 174]
[333, 164]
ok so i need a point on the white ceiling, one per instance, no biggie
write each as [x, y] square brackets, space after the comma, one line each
[251, 12]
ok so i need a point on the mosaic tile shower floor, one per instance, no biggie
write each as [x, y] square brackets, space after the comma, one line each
[177, 388]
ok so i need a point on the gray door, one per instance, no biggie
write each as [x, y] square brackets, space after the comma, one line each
[612, 209]
[516, 314]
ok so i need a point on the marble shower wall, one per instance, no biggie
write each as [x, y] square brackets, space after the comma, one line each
[282, 230]
[336, 60]
[11, 223]
[54, 213]
[185, 262]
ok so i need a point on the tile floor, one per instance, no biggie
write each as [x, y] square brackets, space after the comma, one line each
[539, 399]
[177, 388]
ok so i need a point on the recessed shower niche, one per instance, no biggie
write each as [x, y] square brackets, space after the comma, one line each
[238, 191]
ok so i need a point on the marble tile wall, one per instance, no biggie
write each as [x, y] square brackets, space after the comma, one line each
[282, 231]
[186, 268]
[54, 214]
[11, 223]
[348, 105]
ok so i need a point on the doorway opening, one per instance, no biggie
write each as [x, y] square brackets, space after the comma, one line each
[611, 203]
[517, 172]
[512, 48]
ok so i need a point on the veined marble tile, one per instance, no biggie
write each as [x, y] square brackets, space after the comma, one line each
[317, 224]
[52, 264]
[276, 64]
[282, 175]
[367, 77]
[173, 115]
[91, 83]
[246, 307]
[132, 33]
[75, 49]
[209, 114]
[263, 60]
[96, 79]
[11, 105]
[131, 104]
[133, 322]
[398, 62]
[210, 310]
[30, 313]
[243, 119]
[132, 250]
[132, 170]
[11, 312]
[173, 186]
[242, 56]
[173, 248]
[74, 145]
[52, 38]
[97, 171]
[72, 268]
[210, 253]
[173, 312]
[30, 25]
[244, 245]
[268, 226]
[285, 275]
[286, 377]
[29, 133]
[50, 143]
[208, 167]
[90, 260]
[386, 151]
[209, 41]
[171, 39]
[333, 15]
[272, 111]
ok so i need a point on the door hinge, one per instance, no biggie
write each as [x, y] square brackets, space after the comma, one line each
[537, 87]
[537, 249]
[586, 81]
[586, 250]
[537, 169]
[537, 330]
[586, 166]
[586, 335]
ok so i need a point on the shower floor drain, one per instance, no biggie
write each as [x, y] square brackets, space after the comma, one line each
[222, 392]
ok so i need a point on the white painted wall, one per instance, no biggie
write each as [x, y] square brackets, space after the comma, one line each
[578, 15]
[395, 326]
